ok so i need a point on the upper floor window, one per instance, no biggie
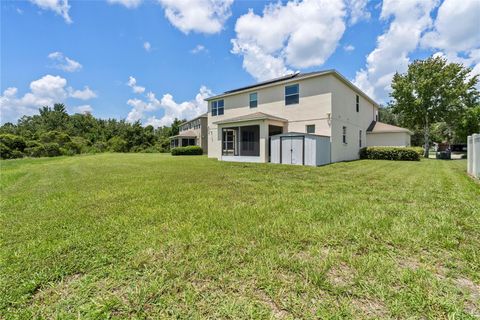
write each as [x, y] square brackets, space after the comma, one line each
[292, 95]
[344, 134]
[358, 103]
[311, 128]
[253, 100]
[217, 107]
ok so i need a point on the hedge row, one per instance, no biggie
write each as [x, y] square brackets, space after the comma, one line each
[390, 153]
[187, 151]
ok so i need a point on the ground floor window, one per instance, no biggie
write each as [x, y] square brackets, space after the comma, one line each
[174, 143]
[344, 135]
[188, 142]
[241, 141]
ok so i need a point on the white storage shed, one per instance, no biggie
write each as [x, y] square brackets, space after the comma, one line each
[300, 149]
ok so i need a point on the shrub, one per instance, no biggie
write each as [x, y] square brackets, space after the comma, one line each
[51, 149]
[5, 152]
[187, 151]
[99, 146]
[419, 150]
[154, 149]
[60, 138]
[136, 149]
[117, 144]
[16, 154]
[38, 151]
[33, 143]
[389, 153]
[13, 142]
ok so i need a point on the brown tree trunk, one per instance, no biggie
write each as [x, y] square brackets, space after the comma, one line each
[426, 138]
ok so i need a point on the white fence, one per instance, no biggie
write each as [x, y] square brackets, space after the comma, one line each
[473, 155]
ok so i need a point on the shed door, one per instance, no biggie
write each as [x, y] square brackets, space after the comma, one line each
[292, 150]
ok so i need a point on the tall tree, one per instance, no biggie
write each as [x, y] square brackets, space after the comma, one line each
[433, 90]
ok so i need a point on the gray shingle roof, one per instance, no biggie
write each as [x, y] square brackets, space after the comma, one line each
[380, 127]
[250, 117]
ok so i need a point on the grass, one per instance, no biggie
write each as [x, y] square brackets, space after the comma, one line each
[155, 236]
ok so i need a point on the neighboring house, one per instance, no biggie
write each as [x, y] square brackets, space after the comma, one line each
[382, 134]
[192, 133]
[241, 121]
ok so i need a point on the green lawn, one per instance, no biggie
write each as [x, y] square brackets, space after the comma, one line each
[155, 236]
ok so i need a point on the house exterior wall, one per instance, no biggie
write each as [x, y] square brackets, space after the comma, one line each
[325, 101]
[344, 113]
[201, 133]
[388, 139]
[315, 103]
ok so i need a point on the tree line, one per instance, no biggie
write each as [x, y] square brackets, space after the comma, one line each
[54, 132]
[438, 101]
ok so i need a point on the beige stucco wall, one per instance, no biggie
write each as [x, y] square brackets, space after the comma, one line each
[345, 114]
[315, 103]
[390, 139]
[317, 96]
[203, 134]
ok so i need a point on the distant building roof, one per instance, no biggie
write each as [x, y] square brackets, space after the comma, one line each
[185, 134]
[380, 127]
[294, 77]
[203, 115]
[251, 117]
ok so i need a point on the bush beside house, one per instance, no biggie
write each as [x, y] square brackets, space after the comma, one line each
[187, 151]
[390, 153]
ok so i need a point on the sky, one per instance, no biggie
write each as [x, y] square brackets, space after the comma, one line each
[157, 60]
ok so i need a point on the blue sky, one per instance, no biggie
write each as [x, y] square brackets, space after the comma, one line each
[84, 53]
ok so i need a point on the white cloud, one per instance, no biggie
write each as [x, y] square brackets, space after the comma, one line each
[127, 3]
[203, 16]
[198, 49]
[64, 63]
[456, 27]
[86, 108]
[172, 109]
[44, 91]
[457, 42]
[147, 46]
[132, 83]
[409, 20]
[349, 48]
[283, 37]
[84, 94]
[60, 7]
[357, 10]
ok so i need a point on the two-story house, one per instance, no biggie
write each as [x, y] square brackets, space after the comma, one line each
[192, 133]
[241, 121]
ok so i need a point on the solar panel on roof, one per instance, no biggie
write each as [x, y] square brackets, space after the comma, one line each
[289, 76]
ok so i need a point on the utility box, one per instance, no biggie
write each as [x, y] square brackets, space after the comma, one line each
[300, 149]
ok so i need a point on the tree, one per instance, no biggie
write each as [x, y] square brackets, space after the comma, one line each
[433, 90]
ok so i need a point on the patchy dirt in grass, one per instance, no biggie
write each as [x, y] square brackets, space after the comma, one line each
[371, 307]
[56, 291]
[408, 263]
[277, 311]
[341, 275]
[472, 304]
